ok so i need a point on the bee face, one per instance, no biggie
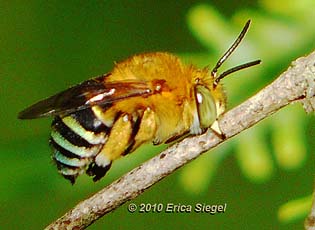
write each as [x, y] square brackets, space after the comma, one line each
[149, 97]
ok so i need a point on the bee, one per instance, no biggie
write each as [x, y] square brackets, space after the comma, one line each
[150, 97]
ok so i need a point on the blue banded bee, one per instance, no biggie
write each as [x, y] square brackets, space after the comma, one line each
[150, 97]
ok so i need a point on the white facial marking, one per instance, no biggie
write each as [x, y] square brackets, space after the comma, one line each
[199, 98]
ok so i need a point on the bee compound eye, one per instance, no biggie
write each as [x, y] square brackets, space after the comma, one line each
[206, 107]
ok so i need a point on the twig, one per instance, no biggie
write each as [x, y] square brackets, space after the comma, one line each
[296, 84]
[309, 223]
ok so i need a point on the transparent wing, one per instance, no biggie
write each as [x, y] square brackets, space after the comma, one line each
[91, 92]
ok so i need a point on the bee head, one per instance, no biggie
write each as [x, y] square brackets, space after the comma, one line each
[210, 99]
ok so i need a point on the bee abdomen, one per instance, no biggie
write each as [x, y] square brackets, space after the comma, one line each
[76, 140]
[89, 140]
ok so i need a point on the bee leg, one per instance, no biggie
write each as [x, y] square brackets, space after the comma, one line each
[97, 172]
[177, 138]
[217, 130]
[71, 178]
[118, 141]
[145, 131]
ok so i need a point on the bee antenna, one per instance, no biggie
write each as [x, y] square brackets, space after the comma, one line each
[228, 53]
[234, 69]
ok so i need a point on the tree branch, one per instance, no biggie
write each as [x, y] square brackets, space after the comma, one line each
[296, 84]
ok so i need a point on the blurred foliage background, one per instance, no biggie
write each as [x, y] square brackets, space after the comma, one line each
[264, 175]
